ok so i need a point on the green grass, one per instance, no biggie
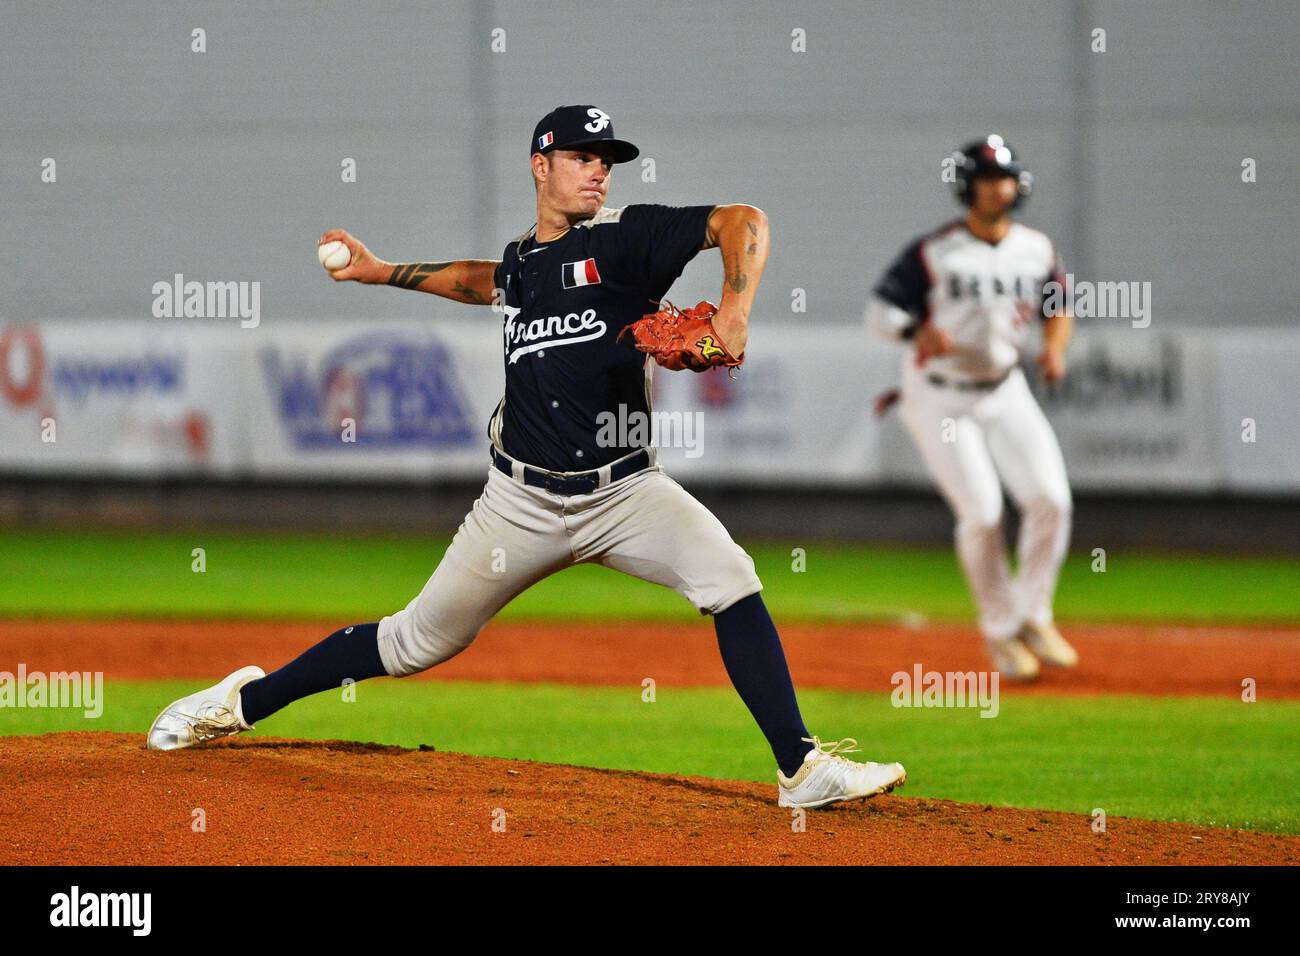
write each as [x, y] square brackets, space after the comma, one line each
[48, 573]
[1215, 762]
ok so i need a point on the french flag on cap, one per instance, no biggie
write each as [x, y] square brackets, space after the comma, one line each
[544, 141]
[580, 273]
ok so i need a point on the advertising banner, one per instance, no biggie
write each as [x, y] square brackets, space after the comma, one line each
[1144, 410]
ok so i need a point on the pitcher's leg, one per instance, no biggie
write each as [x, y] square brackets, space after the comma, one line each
[512, 538]
[650, 527]
[351, 653]
[755, 661]
[507, 542]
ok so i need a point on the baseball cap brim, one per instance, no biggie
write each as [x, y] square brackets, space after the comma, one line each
[618, 150]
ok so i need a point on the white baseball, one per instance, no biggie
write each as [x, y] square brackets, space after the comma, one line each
[334, 255]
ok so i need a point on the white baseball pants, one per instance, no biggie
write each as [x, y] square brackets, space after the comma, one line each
[645, 525]
[970, 439]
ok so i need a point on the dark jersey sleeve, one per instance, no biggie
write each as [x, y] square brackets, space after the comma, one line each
[906, 283]
[661, 240]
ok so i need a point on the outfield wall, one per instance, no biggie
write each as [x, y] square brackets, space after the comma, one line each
[1162, 410]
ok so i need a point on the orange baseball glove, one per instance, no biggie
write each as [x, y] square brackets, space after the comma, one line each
[681, 340]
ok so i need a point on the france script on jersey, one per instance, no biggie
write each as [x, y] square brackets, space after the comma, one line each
[982, 294]
[565, 303]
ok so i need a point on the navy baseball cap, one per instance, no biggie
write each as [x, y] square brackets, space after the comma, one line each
[573, 127]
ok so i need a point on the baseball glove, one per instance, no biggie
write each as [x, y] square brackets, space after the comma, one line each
[681, 340]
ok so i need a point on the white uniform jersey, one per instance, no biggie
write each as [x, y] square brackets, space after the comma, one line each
[984, 295]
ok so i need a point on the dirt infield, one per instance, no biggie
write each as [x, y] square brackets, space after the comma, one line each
[1210, 661]
[102, 798]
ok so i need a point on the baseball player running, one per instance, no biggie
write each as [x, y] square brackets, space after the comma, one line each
[558, 493]
[965, 297]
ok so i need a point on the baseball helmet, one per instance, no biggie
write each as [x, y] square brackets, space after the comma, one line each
[990, 156]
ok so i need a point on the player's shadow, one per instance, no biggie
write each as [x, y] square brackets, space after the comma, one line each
[337, 746]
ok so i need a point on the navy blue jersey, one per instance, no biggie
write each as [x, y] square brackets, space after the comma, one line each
[565, 303]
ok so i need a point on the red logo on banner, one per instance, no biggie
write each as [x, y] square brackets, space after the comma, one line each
[22, 364]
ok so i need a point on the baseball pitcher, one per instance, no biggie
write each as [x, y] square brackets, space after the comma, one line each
[580, 296]
[965, 296]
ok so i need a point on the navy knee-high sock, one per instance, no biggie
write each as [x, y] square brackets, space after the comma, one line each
[352, 652]
[752, 654]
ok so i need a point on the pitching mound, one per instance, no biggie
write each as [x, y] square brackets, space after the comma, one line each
[84, 798]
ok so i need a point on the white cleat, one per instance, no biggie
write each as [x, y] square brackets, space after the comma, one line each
[1048, 644]
[207, 715]
[1012, 659]
[826, 777]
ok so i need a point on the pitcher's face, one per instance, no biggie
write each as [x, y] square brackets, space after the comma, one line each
[574, 182]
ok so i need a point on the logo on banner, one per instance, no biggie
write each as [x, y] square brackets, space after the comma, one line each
[132, 400]
[580, 273]
[1105, 377]
[30, 374]
[1125, 407]
[22, 365]
[400, 391]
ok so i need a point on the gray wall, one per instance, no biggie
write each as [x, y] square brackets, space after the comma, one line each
[225, 165]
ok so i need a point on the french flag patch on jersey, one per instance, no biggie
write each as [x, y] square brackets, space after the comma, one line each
[580, 273]
[544, 141]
